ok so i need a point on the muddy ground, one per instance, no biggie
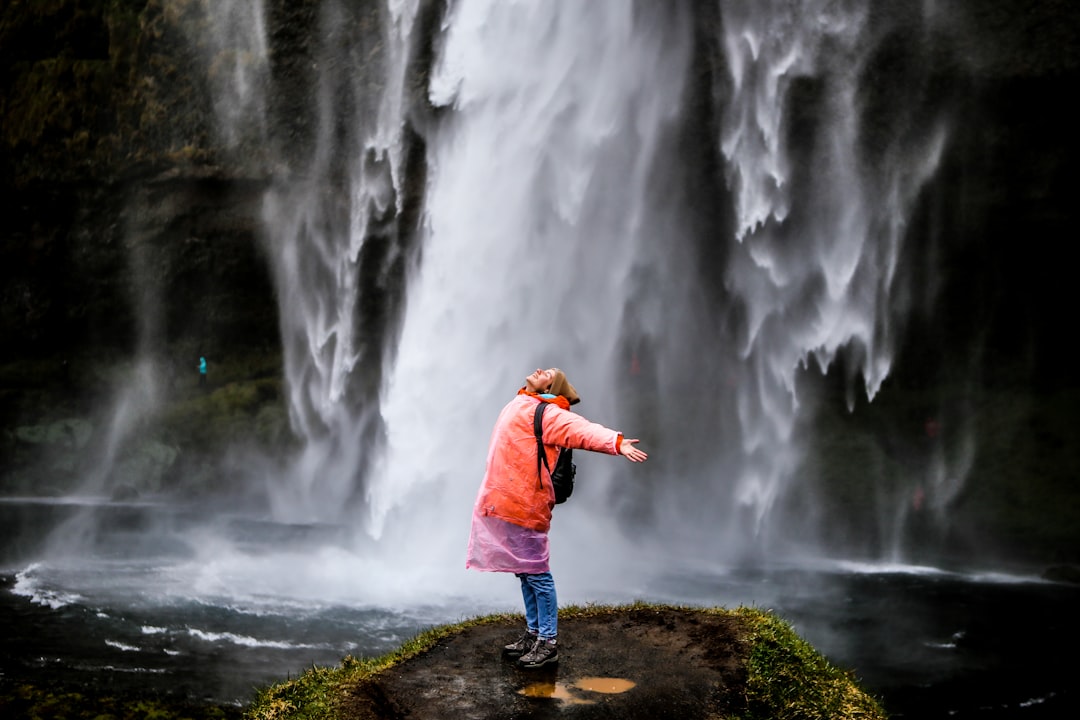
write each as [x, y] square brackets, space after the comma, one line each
[655, 664]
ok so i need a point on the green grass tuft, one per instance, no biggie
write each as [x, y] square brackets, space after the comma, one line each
[789, 679]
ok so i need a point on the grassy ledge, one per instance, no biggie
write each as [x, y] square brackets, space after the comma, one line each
[317, 694]
[786, 677]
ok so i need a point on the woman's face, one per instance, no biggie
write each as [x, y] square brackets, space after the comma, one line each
[540, 380]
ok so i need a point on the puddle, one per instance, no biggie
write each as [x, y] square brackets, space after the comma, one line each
[553, 690]
[565, 691]
[608, 686]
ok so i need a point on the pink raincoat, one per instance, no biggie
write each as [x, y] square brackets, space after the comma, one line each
[512, 514]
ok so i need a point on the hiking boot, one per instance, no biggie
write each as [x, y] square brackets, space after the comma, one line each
[520, 646]
[542, 653]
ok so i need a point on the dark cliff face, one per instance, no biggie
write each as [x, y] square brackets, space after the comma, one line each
[118, 183]
[115, 187]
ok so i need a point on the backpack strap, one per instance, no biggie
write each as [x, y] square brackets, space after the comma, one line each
[538, 431]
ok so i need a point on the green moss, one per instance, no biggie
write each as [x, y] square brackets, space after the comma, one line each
[234, 413]
[177, 441]
[94, 88]
[787, 678]
[55, 97]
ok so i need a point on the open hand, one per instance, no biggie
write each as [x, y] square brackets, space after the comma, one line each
[632, 453]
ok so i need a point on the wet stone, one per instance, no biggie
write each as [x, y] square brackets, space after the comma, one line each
[630, 664]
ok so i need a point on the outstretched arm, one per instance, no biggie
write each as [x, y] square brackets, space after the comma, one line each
[631, 453]
[568, 429]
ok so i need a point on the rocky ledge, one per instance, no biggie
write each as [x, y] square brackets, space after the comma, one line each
[639, 661]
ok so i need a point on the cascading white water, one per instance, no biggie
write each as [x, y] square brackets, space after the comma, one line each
[823, 282]
[558, 230]
[234, 40]
[317, 222]
[552, 238]
[540, 211]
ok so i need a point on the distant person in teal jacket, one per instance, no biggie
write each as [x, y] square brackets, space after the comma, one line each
[202, 371]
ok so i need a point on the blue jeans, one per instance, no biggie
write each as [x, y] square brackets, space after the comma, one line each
[541, 605]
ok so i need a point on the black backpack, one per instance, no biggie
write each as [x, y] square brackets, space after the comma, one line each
[562, 479]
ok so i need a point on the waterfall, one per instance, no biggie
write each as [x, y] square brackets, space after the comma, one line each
[811, 269]
[318, 220]
[816, 260]
[235, 50]
[572, 217]
[541, 214]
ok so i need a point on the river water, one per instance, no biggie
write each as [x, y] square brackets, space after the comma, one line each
[143, 608]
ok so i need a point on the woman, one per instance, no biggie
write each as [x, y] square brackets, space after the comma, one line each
[512, 514]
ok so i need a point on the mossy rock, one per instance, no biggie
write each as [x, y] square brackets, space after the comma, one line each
[648, 661]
